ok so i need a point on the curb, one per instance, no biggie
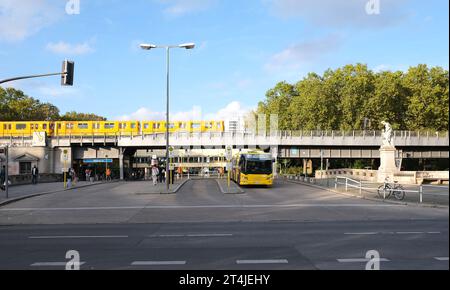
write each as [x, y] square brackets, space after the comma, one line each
[240, 190]
[12, 200]
[426, 205]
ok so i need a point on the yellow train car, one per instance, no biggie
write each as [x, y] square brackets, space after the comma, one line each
[26, 128]
[73, 128]
[253, 168]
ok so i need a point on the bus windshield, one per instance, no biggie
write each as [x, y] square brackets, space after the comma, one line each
[258, 166]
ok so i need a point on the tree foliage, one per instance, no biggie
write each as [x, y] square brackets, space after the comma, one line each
[16, 106]
[344, 98]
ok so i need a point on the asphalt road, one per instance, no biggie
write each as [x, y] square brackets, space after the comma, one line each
[115, 226]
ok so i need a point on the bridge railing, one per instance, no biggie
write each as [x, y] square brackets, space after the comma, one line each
[430, 194]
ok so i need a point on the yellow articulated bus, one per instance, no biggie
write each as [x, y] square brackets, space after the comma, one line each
[253, 168]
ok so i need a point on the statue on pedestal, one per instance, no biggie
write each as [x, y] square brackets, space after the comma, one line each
[388, 135]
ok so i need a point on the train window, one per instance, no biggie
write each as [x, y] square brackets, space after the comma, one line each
[69, 126]
[52, 126]
[96, 126]
[133, 125]
[36, 126]
[156, 125]
[32, 126]
[122, 125]
[182, 125]
[83, 126]
[44, 126]
[171, 125]
[109, 126]
[219, 125]
[21, 126]
[208, 125]
[146, 126]
[196, 125]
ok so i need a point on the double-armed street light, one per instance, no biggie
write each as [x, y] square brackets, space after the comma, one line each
[167, 47]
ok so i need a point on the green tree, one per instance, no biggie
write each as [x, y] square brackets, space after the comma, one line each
[74, 116]
[428, 91]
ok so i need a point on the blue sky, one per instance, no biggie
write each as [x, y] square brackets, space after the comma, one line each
[243, 49]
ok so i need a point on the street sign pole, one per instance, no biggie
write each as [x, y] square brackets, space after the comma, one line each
[65, 157]
[6, 173]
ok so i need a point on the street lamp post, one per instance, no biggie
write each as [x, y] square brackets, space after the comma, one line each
[167, 48]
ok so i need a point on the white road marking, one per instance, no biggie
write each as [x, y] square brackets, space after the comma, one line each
[78, 237]
[243, 262]
[201, 207]
[192, 236]
[360, 233]
[441, 258]
[434, 233]
[157, 263]
[54, 264]
[361, 260]
[409, 233]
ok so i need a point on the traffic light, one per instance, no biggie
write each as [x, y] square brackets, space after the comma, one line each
[67, 73]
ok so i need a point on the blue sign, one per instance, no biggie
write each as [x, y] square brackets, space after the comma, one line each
[100, 160]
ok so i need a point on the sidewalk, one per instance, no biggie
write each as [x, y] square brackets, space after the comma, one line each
[26, 191]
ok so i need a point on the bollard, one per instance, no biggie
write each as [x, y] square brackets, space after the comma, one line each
[421, 193]
[346, 185]
[336, 183]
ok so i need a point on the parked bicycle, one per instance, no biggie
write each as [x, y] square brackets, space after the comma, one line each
[387, 190]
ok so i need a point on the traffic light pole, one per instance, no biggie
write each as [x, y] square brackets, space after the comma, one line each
[31, 77]
[66, 80]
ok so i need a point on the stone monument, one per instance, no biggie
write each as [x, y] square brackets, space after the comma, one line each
[387, 155]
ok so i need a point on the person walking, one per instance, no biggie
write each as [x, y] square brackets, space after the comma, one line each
[155, 173]
[108, 174]
[2, 177]
[70, 175]
[35, 175]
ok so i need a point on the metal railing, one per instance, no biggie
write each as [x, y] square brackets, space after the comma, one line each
[431, 194]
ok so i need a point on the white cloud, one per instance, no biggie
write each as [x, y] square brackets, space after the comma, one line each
[297, 55]
[196, 113]
[182, 7]
[70, 49]
[21, 18]
[339, 13]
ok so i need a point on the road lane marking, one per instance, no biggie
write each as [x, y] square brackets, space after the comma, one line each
[409, 233]
[191, 236]
[434, 233]
[362, 260]
[201, 207]
[361, 234]
[77, 237]
[158, 263]
[252, 262]
[441, 258]
[55, 264]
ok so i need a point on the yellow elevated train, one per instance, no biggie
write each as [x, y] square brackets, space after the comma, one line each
[90, 128]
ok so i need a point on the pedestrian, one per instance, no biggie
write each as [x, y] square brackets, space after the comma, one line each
[88, 174]
[2, 177]
[108, 174]
[69, 178]
[155, 173]
[35, 175]
[163, 175]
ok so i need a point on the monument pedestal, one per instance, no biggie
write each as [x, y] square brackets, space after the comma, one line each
[388, 166]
